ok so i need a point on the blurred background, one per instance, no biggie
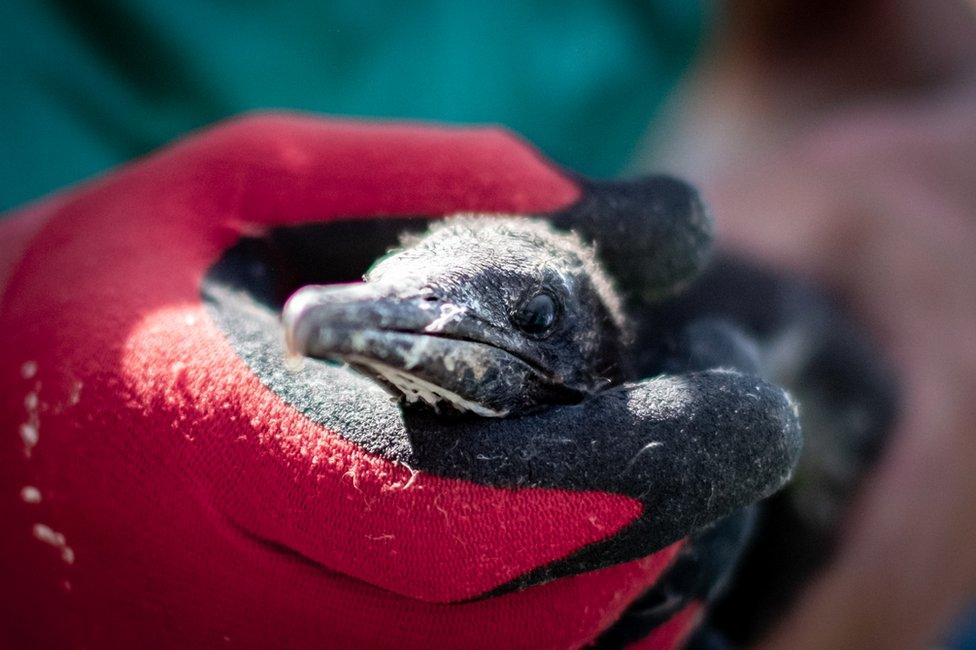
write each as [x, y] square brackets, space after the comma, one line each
[834, 139]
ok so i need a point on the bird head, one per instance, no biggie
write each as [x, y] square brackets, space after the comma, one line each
[482, 314]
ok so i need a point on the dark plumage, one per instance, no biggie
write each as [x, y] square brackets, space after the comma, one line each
[485, 314]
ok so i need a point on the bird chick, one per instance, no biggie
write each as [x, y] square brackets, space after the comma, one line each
[481, 314]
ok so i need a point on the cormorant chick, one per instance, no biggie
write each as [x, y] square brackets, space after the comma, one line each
[483, 314]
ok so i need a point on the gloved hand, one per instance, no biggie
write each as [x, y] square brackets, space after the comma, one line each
[171, 483]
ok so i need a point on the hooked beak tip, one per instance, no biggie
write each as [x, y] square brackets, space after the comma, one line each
[298, 319]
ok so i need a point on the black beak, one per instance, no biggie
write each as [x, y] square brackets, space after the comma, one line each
[430, 351]
[335, 321]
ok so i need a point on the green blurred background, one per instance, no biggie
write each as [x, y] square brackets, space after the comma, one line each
[88, 85]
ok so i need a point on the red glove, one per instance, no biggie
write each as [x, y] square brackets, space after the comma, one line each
[159, 494]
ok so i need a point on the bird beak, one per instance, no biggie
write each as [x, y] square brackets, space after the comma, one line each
[426, 350]
[334, 321]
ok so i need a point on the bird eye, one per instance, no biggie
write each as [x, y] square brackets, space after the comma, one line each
[536, 315]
